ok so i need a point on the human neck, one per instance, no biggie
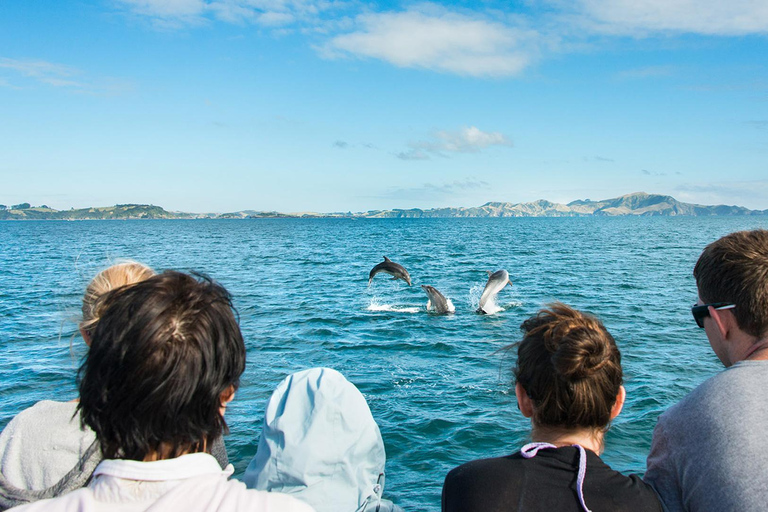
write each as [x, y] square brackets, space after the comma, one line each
[167, 452]
[587, 438]
[758, 351]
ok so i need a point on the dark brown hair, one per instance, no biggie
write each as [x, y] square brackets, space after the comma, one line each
[164, 351]
[734, 269]
[570, 367]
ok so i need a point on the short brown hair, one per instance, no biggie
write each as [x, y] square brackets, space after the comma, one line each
[734, 269]
[569, 365]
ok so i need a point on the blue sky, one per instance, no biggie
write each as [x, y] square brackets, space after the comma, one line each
[303, 105]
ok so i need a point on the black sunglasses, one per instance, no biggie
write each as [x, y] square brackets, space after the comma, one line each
[701, 311]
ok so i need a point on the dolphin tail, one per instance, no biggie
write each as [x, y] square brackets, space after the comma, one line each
[489, 273]
[480, 311]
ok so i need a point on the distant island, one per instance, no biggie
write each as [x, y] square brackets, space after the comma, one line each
[638, 203]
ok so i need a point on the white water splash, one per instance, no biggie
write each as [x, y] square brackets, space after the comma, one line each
[375, 305]
[448, 302]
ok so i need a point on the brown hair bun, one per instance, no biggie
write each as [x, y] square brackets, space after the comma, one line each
[570, 366]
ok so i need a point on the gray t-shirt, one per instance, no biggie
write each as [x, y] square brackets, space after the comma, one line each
[710, 450]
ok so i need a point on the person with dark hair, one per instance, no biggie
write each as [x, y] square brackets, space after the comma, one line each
[165, 360]
[568, 380]
[710, 451]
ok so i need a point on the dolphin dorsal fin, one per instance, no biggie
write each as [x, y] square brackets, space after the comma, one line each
[387, 259]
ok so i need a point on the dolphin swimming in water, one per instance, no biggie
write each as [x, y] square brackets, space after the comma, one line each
[390, 267]
[496, 282]
[437, 301]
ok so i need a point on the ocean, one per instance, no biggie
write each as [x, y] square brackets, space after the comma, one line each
[439, 386]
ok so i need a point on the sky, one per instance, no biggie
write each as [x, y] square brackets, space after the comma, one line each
[336, 105]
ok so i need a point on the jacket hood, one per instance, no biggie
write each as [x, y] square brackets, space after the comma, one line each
[320, 443]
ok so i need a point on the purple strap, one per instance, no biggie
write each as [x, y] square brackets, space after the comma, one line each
[531, 449]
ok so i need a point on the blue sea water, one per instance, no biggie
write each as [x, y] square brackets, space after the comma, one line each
[439, 386]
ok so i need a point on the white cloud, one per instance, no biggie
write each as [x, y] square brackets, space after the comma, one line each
[413, 154]
[432, 191]
[49, 73]
[269, 13]
[712, 17]
[466, 140]
[60, 76]
[750, 194]
[436, 39]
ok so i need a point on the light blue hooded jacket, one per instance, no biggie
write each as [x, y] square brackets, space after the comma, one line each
[320, 444]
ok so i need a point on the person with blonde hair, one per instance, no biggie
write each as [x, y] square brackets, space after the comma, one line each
[120, 274]
[43, 450]
[568, 380]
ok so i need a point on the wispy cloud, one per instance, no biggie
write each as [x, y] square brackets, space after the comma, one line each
[49, 73]
[434, 38]
[598, 158]
[267, 13]
[431, 191]
[58, 75]
[646, 172]
[478, 43]
[751, 194]
[759, 124]
[412, 154]
[643, 17]
[466, 140]
[340, 144]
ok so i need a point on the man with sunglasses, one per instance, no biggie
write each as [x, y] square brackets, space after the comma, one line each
[710, 450]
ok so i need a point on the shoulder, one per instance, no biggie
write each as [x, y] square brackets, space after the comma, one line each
[79, 500]
[737, 385]
[45, 410]
[481, 469]
[218, 493]
[628, 491]
[483, 484]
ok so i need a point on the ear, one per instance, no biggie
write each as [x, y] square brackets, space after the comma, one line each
[524, 402]
[724, 320]
[86, 336]
[619, 404]
[226, 396]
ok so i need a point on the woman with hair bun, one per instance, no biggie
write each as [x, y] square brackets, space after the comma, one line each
[568, 380]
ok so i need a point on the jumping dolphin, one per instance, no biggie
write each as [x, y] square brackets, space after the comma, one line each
[496, 282]
[390, 267]
[437, 301]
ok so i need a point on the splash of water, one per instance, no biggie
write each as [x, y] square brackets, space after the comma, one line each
[375, 305]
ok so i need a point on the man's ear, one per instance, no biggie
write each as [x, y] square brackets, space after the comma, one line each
[524, 402]
[724, 320]
[619, 404]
